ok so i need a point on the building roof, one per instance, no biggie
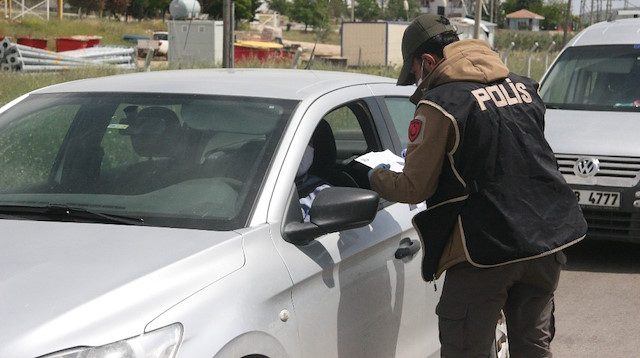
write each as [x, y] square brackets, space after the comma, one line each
[524, 14]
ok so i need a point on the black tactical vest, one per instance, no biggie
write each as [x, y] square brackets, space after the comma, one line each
[501, 183]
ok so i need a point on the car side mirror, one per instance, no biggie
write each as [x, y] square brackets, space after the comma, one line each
[334, 209]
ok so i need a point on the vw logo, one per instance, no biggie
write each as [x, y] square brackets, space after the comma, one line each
[586, 167]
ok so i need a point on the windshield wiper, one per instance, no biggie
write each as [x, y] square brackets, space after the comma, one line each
[68, 213]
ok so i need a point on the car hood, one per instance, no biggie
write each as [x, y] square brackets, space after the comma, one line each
[71, 284]
[593, 132]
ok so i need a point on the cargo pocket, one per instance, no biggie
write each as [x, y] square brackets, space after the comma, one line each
[435, 226]
[452, 324]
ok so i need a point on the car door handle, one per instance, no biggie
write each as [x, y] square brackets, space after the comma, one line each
[407, 247]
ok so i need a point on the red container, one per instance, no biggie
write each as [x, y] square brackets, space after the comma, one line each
[37, 43]
[93, 41]
[247, 53]
[259, 50]
[69, 44]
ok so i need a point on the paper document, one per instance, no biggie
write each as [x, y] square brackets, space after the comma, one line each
[372, 159]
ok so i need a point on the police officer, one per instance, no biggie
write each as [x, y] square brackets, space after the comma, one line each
[498, 210]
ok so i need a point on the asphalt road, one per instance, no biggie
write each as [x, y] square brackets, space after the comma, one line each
[598, 302]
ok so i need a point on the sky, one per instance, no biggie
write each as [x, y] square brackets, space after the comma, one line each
[615, 4]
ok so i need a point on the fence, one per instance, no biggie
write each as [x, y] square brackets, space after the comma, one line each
[531, 63]
[17, 9]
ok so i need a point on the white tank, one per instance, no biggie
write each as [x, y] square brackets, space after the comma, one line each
[184, 9]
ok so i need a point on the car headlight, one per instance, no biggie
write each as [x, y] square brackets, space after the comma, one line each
[161, 343]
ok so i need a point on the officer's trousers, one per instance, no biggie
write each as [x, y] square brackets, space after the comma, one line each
[472, 299]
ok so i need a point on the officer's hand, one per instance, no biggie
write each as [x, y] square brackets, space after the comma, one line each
[384, 166]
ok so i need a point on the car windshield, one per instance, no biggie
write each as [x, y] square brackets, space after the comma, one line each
[157, 159]
[595, 78]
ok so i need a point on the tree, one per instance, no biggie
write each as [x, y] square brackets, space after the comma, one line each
[309, 12]
[158, 8]
[87, 6]
[368, 10]
[244, 9]
[137, 8]
[395, 10]
[280, 6]
[115, 7]
[338, 8]
[553, 13]
[515, 5]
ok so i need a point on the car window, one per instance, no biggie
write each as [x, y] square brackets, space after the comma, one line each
[348, 134]
[28, 147]
[343, 134]
[595, 78]
[171, 160]
[118, 150]
[401, 111]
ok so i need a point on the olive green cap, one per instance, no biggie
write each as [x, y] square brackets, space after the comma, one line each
[421, 29]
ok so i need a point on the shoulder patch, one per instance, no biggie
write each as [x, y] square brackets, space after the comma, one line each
[415, 128]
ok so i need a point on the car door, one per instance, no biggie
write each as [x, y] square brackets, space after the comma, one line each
[352, 296]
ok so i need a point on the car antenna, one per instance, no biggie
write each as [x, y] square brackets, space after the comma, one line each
[193, 8]
[313, 51]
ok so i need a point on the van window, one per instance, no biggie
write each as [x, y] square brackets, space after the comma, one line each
[595, 78]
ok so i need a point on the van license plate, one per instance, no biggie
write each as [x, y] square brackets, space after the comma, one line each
[608, 199]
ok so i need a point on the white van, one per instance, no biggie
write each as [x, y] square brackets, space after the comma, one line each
[592, 93]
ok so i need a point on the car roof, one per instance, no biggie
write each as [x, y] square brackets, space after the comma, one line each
[622, 31]
[273, 83]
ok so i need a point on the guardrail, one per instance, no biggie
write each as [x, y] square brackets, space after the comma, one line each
[16, 57]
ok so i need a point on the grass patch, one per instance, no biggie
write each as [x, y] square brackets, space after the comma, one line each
[14, 84]
[112, 32]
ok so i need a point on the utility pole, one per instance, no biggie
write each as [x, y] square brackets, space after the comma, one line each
[476, 27]
[60, 9]
[405, 5]
[491, 10]
[567, 23]
[227, 34]
[353, 11]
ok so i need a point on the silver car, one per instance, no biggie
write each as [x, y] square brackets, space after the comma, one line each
[157, 215]
[592, 93]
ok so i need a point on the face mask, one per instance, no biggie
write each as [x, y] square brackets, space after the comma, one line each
[420, 79]
[307, 160]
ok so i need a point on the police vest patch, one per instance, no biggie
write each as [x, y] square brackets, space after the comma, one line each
[414, 129]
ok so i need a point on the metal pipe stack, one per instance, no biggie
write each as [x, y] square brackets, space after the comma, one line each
[16, 57]
[5, 49]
